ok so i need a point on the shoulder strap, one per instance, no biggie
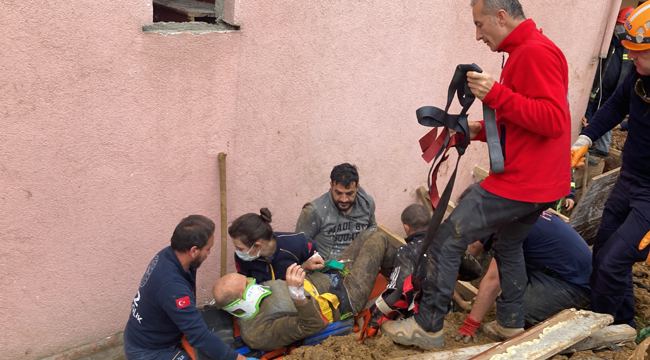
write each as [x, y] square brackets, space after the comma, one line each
[439, 145]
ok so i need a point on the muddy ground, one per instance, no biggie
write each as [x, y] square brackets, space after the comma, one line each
[381, 348]
[618, 139]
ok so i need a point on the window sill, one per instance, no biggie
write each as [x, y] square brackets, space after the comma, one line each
[196, 28]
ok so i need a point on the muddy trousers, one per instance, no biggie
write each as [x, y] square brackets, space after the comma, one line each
[547, 295]
[478, 215]
[625, 221]
[369, 252]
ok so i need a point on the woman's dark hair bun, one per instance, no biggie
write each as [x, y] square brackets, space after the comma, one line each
[265, 214]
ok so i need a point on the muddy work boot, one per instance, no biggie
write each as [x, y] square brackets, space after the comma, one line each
[408, 332]
[497, 332]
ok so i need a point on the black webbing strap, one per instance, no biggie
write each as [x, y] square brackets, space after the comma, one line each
[434, 117]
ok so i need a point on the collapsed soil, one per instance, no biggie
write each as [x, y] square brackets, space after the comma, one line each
[618, 139]
[382, 348]
[641, 274]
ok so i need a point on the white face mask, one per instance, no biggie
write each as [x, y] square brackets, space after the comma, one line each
[246, 256]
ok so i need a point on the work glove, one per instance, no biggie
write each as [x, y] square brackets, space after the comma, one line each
[468, 330]
[644, 242]
[579, 149]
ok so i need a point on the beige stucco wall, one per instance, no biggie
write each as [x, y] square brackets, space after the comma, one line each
[109, 136]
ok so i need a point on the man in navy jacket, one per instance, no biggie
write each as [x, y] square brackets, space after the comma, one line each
[164, 307]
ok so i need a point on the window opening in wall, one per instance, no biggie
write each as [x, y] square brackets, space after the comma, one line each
[187, 10]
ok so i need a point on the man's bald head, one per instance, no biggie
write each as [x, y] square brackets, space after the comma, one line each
[229, 288]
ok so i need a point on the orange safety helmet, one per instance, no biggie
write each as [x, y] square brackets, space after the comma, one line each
[636, 35]
[624, 14]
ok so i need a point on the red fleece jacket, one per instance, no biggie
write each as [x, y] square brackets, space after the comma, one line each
[532, 108]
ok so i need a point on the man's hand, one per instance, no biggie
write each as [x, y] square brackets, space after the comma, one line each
[474, 128]
[295, 276]
[480, 83]
[584, 122]
[579, 149]
[468, 331]
[295, 279]
[313, 263]
[569, 203]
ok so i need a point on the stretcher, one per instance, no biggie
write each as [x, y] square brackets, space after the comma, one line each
[223, 325]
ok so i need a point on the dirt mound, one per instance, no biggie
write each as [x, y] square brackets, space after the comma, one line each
[618, 139]
[380, 347]
[641, 276]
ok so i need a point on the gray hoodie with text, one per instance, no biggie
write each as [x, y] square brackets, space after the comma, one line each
[331, 230]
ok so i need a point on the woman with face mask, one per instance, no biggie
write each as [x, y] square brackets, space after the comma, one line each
[265, 255]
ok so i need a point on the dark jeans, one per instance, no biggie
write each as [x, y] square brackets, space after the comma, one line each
[478, 215]
[546, 296]
[625, 221]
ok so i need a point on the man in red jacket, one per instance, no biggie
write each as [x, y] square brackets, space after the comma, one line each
[533, 118]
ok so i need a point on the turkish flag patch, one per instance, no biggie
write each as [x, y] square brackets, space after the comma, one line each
[183, 302]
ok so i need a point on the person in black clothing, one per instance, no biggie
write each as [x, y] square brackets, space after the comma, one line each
[614, 69]
[626, 217]
[266, 255]
[164, 308]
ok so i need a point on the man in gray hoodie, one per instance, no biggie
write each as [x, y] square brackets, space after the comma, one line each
[335, 219]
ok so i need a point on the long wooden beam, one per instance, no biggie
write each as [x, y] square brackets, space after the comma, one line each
[611, 334]
[394, 239]
[549, 337]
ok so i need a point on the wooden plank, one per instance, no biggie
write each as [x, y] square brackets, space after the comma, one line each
[394, 239]
[585, 218]
[466, 290]
[451, 206]
[426, 201]
[566, 219]
[456, 354]
[191, 8]
[640, 353]
[611, 334]
[480, 173]
[549, 337]
[423, 194]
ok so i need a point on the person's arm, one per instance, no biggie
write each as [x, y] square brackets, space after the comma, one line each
[487, 294]
[542, 106]
[623, 125]
[613, 111]
[176, 300]
[372, 223]
[309, 256]
[475, 249]
[308, 221]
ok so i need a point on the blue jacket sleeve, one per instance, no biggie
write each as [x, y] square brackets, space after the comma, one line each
[613, 111]
[179, 304]
[624, 125]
